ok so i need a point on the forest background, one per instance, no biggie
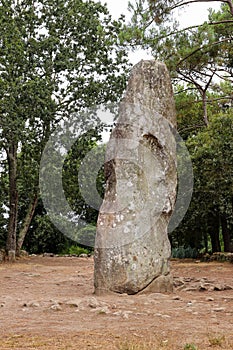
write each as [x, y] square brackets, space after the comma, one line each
[58, 61]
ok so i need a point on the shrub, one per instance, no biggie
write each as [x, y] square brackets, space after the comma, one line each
[75, 250]
[184, 253]
[86, 235]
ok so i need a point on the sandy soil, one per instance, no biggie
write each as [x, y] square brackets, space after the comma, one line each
[48, 303]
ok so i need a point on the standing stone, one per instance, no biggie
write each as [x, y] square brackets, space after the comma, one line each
[132, 249]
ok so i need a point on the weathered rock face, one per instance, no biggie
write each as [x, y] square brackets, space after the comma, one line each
[132, 249]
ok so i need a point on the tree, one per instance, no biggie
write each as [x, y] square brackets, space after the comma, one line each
[162, 9]
[213, 160]
[56, 59]
[210, 211]
[83, 178]
[207, 224]
[196, 55]
[3, 195]
[83, 190]
[189, 111]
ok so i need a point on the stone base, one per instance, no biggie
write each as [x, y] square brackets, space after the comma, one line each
[162, 284]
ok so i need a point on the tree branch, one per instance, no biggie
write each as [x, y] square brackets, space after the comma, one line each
[197, 26]
[222, 77]
[209, 82]
[191, 127]
[195, 1]
[183, 3]
[220, 22]
[190, 80]
[202, 47]
[184, 90]
[209, 100]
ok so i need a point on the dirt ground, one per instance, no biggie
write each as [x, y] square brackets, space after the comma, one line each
[48, 303]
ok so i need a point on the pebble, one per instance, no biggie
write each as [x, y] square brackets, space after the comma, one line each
[117, 313]
[102, 310]
[219, 309]
[56, 307]
[51, 255]
[93, 303]
[31, 304]
[125, 314]
[161, 315]
[74, 302]
[209, 299]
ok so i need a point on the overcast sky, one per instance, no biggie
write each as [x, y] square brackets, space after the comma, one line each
[197, 13]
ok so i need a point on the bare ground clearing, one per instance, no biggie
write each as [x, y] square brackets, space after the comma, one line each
[48, 303]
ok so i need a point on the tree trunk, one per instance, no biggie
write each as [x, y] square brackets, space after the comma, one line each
[26, 224]
[13, 201]
[213, 229]
[204, 103]
[205, 236]
[225, 234]
[230, 4]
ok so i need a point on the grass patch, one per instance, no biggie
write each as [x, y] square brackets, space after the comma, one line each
[136, 346]
[139, 345]
[190, 347]
[217, 340]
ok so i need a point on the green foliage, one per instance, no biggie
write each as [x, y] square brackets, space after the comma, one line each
[194, 55]
[184, 253]
[75, 250]
[56, 59]
[77, 42]
[83, 178]
[189, 111]
[86, 236]
[208, 222]
[212, 153]
[44, 237]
